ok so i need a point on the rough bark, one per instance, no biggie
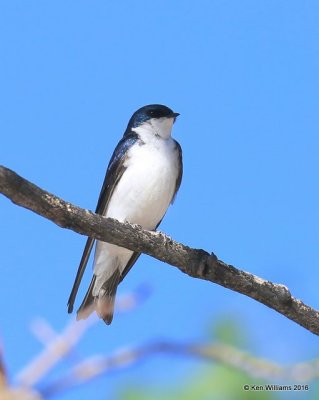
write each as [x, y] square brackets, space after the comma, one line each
[197, 263]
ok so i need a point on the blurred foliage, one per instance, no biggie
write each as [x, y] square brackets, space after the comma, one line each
[217, 381]
[229, 329]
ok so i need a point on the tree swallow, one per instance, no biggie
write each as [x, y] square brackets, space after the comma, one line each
[142, 179]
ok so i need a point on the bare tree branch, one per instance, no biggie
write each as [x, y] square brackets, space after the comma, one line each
[194, 262]
[62, 345]
[59, 345]
[95, 366]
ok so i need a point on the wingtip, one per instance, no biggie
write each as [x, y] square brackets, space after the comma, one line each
[70, 309]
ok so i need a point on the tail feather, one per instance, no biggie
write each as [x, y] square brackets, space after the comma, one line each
[103, 304]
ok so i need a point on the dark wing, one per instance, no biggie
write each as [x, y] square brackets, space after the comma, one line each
[130, 264]
[136, 255]
[114, 172]
[180, 168]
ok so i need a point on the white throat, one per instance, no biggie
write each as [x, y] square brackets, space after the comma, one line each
[160, 127]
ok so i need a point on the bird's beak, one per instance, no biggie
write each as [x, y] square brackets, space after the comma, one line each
[174, 115]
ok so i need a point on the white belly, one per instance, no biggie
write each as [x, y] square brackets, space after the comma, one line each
[147, 186]
[141, 197]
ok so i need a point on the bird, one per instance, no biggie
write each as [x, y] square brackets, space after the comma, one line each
[141, 181]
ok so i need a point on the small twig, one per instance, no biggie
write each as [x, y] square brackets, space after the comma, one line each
[60, 345]
[194, 262]
[54, 352]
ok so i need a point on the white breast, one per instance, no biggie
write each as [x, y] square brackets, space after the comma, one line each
[147, 186]
[143, 193]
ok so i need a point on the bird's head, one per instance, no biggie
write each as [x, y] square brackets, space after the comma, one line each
[155, 119]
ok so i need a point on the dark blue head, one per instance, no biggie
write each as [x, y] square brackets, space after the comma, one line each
[148, 112]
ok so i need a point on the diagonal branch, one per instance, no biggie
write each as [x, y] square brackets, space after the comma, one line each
[194, 262]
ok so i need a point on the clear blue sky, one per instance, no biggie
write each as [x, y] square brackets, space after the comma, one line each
[244, 76]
